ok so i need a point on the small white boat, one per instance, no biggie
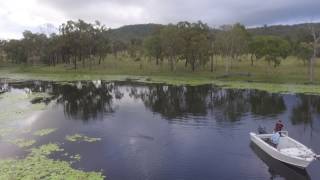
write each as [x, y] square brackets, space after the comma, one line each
[288, 150]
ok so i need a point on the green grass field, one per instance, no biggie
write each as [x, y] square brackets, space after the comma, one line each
[290, 76]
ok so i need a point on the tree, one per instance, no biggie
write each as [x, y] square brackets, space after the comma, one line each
[82, 41]
[315, 46]
[15, 51]
[101, 41]
[135, 48]
[76, 41]
[2, 53]
[118, 46]
[253, 48]
[213, 47]
[53, 50]
[172, 44]
[303, 51]
[69, 40]
[196, 43]
[239, 40]
[153, 47]
[232, 42]
[34, 45]
[272, 49]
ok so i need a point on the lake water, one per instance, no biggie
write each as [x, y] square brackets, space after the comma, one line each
[156, 131]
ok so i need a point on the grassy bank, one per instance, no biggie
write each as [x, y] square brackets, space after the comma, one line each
[290, 76]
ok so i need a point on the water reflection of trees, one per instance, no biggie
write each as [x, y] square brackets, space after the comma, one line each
[80, 100]
[86, 101]
[89, 100]
[305, 110]
[174, 101]
[228, 105]
[264, 103]
[225, 105]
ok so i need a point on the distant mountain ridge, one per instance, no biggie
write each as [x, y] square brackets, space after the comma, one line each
[287, 31]
[140, 31]
[137, 31]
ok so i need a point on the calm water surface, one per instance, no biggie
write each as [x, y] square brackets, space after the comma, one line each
[173, 132]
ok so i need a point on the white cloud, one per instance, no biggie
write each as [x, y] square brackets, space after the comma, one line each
[17, 16]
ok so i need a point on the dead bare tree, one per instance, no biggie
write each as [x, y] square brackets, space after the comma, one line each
[315, 45]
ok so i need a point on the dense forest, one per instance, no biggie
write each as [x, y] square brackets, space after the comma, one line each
[194, 44]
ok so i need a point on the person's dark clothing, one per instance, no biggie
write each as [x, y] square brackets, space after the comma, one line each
[278, 127]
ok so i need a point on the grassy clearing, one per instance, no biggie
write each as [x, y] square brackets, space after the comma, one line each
[290, 76]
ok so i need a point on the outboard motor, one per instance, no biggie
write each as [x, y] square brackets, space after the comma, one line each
[262, 130]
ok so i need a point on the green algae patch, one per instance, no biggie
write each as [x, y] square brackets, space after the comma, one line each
[76, 157]
[44, 132]
[6, 131]
[38, 166]
[266, 84]
[38, 106]
[25, 131]
[46, 149]
[16, 105]
[271, 87]
[22, 143]
[80, 137]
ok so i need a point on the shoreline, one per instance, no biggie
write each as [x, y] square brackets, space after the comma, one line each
[195, 80]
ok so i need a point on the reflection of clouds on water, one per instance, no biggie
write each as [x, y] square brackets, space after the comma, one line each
[4, 87]
[17, 107]
[97, 83]
[31, 119]
[79, 85]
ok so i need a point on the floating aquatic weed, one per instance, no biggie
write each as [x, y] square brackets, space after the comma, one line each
[46, 149]
[80, 137]
[44, 132]
[17, 109]
[91, 139]
[22, 143]
[76, 157]
[39, 106]
[38, 166]
[25, 131]
[74, 137]
[6, 131]
[16, 105]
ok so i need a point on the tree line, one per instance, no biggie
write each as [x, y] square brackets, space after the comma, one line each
[194, 44]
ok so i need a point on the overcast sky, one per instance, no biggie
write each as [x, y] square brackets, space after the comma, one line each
[18, 15]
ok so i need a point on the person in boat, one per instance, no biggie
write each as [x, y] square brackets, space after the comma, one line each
[275, 138]
[278, 127]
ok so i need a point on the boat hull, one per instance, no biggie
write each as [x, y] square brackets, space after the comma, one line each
[273, 152]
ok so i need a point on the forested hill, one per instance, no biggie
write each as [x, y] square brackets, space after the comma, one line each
[140, 31]
[292, 31]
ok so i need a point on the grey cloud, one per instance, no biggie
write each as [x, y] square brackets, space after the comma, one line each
[115, 13]
[214, 12]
